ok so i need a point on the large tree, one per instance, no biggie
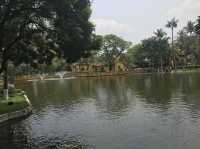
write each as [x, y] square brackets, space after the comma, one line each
[197, 27]
[162, 40]
[187, 42]
[34, 31]
[112, 47]
[197, 44]
[190, 28]
[153, 52]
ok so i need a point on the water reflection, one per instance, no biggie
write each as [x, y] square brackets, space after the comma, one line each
[140, 111]
[12, 136]
[18, 136]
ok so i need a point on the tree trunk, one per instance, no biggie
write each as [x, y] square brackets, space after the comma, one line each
[161, 63]
[5, 81]
[111, 65]
[173, 51]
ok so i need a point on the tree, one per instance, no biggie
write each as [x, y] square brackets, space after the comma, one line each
[137, 56]
[197, 43]
[190, 28]
[188, 44]
[159, 33]
[197, 27]
[35, 31]
[112, 47]
[58, 64]
[153, 52]
[161, 36]
[184, 44]
[172, 24]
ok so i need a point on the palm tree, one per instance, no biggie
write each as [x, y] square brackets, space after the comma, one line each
[190, 28]
[197, 27]
[173, 23]
[160, 34]
[197, 31]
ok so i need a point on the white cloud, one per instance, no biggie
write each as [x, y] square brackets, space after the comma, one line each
[111, 26]
[186, 10]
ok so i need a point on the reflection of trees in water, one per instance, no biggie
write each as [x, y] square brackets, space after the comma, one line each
[156, 89]
[109, 94]
[115, 94]
[59, 143]
[55, 94]
[162, 89]
[14, 136]
[112, 96]
[190, 87]
[17, 136]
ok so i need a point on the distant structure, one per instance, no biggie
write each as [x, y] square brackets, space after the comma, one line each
[120, 64]
[85, 66]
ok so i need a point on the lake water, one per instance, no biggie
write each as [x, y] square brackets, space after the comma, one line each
[129, 112]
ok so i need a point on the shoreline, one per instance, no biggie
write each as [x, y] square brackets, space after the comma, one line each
[15, 115]
[17, 107]
[74, 75]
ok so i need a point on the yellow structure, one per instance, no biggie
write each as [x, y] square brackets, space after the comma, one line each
[80, 67]
[85, 66]
[120, 65]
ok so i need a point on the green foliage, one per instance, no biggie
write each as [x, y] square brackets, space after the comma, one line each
[189, 45]
[160, 34]
[197, 27]
[155, 52]
[134, 56]
[152, 52]
[58, 64]
[172, 23]
[35, 31]
[72, 29]
[190, 28]
[112, 47]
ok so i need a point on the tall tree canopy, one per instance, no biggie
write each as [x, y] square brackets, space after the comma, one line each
[153, 52]
[188, 43]
[35, 30]
[172, 24]
[197, 27]
[190, 28]
[112, 47]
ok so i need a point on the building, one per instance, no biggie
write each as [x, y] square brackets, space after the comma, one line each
[86, 66]
[121, 64]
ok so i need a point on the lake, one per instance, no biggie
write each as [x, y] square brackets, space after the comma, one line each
[148, 111]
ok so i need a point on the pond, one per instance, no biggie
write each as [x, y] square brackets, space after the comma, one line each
[149, 111]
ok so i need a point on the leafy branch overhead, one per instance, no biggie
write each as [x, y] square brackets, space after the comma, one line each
[34, 31]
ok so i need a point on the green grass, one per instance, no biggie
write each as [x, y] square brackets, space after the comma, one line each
[15, 102]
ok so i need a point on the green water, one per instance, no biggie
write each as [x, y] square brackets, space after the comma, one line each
[130, 112]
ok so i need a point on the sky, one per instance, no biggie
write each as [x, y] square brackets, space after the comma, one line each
[135, 20]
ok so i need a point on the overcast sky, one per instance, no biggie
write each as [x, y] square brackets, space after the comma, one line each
[135, 20]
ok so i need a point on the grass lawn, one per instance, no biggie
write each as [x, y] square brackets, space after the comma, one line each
[16, 102]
